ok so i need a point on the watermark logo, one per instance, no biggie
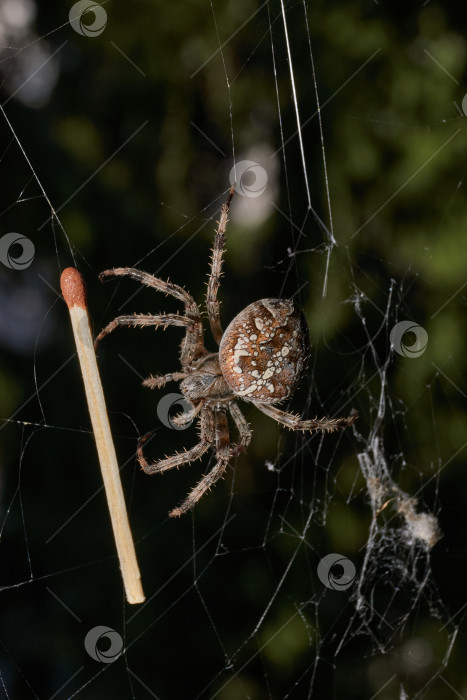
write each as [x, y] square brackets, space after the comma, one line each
[167, 403]
[88, 18]
[249, 177]
[397, 334]
[464, 104]
[336, 572]
[9, 259]
[95, 635]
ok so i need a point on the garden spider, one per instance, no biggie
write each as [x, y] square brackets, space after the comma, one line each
[261, 357]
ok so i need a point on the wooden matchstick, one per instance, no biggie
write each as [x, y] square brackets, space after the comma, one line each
[74, 293]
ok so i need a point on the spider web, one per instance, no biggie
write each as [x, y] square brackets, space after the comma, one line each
[322, 566]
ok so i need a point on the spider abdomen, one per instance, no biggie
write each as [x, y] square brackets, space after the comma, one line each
[264, 350]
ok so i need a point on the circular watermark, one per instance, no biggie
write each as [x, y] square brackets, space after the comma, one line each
[249, 177]
[464, 104]
[87, 18]
[336, 572]
[166, 404]
[421, 339]
[7, 256]
[95, 635]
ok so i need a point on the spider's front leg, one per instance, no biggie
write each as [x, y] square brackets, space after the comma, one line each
[186, 457]
[293, 421]
[223, 455]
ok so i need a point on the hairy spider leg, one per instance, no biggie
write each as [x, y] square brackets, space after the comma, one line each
[243, 428]
[145, 320]
[192, 345]
[218, 249]
[293, 421]
[157, 382]
[207, 437]
[223, 456]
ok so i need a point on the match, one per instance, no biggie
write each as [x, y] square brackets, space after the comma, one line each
[74, 293]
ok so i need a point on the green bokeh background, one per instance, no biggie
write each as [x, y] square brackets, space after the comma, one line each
[396, 149]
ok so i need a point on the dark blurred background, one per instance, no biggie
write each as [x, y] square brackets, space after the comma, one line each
[128, 122]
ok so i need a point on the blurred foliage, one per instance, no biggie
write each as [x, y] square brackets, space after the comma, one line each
[134, 148]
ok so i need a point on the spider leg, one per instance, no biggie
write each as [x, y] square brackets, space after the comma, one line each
[162, 465]
[150, 281]
[293, 421]
[145, 320]
[243, 428]
[204, 485]
[223, 454]
[212, 303]
[193, 343]
[158, 382]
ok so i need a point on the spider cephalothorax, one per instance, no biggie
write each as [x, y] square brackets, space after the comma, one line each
[262, 355]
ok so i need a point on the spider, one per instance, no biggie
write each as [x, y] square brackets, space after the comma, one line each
[262, 355]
